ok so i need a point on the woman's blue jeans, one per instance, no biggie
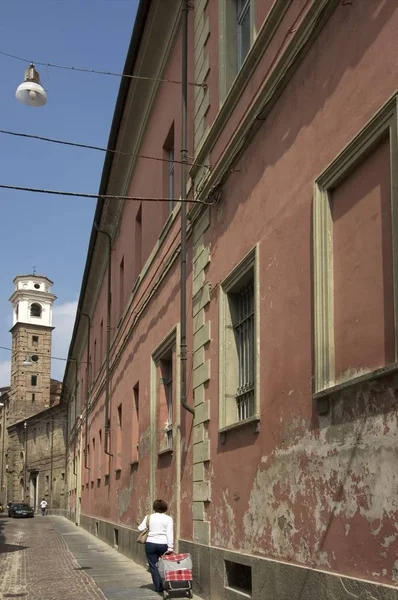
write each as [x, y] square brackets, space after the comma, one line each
[153, 553]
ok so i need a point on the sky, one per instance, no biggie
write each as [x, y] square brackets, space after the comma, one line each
[51, 233]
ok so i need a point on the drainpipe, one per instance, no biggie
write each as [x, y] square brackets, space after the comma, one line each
[87, 384]
[52, 461]
[26, 459]
[183, 256]
[108, 342]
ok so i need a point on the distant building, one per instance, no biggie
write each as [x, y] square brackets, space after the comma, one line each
[33, 422]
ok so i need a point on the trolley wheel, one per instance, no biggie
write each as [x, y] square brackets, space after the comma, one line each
[190, 594]
[166, 595]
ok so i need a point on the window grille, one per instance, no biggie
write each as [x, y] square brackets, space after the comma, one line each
[168, 388]
[244, 335]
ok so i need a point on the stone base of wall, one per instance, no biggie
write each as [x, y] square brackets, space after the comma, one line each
[125, 540]
[59, 512]
[271, 579]
[268, 578]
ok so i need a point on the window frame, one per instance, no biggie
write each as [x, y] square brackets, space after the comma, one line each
[171, 343]
[230, 64]
[383, 123]
[227, 400]
[243, 8]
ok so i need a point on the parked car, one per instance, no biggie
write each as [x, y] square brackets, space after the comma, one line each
[20, 510]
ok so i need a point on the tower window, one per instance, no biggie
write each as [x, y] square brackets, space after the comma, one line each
[35, 340]
[33, 380]
[35, 310]
[37, 286]
[33, 398]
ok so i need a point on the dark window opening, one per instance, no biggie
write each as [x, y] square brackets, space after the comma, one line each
[138, 243]
[116, 538]
[243, 314]
[35, 340]
[33, 380]
[35, 310]
[121, 287]
[33, 398]
[169, 170]
[238, 577]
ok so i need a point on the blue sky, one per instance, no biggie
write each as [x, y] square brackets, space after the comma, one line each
[52, 233]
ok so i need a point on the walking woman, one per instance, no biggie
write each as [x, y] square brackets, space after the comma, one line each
[160, 539]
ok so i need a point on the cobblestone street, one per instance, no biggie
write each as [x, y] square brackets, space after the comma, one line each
[49, 558]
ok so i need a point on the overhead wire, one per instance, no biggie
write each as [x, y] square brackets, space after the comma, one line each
[99, 72]
[96, 196]
[41, 354]
[99, 148]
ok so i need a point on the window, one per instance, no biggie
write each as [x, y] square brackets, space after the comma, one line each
[135, 434]
[355, 202]
[121, 287]
[166, 370]
[243, 30]
[95, 358]
[168, 172]
[47, 483]
[164, 376]
[33, 398]
[238, 350]
[33, 380]
[238, 577]
[35, 310]
[138, 243]
[237, 28]
[119, 437]
[48, 429]
[35, 340]
[101, 355]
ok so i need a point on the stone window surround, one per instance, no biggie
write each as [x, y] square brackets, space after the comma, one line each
[382, 125]
[172, 340]
[251, 261]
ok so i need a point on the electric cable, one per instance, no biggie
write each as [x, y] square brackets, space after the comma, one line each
[96, 196]
[98, 72]
[99, 148]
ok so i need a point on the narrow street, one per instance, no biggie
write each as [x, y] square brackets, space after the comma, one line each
[49, 558]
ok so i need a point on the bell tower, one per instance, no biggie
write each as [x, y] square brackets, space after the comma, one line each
[31, 332]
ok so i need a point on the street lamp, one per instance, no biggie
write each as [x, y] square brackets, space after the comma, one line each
[31, 92]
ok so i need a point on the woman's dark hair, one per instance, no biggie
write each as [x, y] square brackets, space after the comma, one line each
[160, 506]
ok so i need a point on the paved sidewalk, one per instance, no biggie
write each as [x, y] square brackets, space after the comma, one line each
[118, 577]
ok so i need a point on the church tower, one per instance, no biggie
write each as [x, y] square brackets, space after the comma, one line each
[32, 302]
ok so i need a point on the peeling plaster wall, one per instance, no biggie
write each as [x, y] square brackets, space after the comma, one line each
[318, 492]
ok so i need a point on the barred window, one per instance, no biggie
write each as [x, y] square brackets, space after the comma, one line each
[238, 369]
[244, 336]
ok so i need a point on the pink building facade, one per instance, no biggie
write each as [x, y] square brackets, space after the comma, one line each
[283, 483]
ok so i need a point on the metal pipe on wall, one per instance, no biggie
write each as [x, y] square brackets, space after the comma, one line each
[183, 255]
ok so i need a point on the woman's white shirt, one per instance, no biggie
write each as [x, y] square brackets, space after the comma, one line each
[160, 529]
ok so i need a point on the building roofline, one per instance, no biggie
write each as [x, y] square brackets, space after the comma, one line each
[132, 53]
[30, 275]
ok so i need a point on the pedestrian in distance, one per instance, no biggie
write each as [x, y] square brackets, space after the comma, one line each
[160, 539]
[43, 506]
